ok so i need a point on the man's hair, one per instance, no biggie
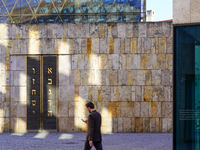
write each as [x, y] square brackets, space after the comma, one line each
[90, 104]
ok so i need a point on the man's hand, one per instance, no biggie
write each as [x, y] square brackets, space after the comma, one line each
[86, 121]
[90, 143]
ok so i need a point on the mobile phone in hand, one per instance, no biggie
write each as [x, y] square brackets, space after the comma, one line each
[83, 120]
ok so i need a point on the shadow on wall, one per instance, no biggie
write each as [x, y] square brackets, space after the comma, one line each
[72, 95]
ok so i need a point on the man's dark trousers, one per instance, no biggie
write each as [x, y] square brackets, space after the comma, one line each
[97, 145]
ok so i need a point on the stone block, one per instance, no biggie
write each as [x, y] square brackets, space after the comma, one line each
[77, 78]
[104, 45]
[160, 93]
[169, 61]
[133, 125]
[52, 30]
[114, 30]
[103, 30]
[71, 109]
[21, 109]
[142, 29]
[156, 77]
[129, 61]
[4, 31]
[115, 61]
[20, 78]
[127, 49]
[105, 77]
[111, 45]
[167, 93]
[194, 5]
[24, 46]
[113, 77]
[49, 46]
[135, 61]
[134, 45]
[139, 125]
[106, 126]
[77, 46]
[13, 125]
[83, 93]
[95, 46]
[154, 108]
[143, 61]
[94, 30]
[66, 124]
[1, 110]
[114, 125]
[168, 109]
[81, 59]
[103, 61]
[71, 30]
[163, 125]
[80, 30]
[169, 45]
[122, 77]
[76, 93]
[139, 93]
[63, 109]
[121, 27]
[141, 77]
[157, 125]
[152, 125]
[112, 109]
[43, 30]
[66, 93]
[6, 124]
[6, 109]
[148, 77]
[129, 30]
[127, 128]
[133, 93]
[83, 46]
[135, 29]
[148, 93]
[84, 77]
[18, 94]
[35, 46]
[115, 93]
[145, 109]
[169, 125]
[22, 125]
[166, 77]
[106, 93]
[181, 7]
[125, 93]
[117, 45]
[146, 125]
[137, 109]
[13, 109]
[122, 45]
[120, 125]
[162, 45]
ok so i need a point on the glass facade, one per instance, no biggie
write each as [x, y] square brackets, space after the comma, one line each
[186, 88]
[59, 11]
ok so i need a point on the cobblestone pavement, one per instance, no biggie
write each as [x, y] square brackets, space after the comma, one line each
[75, 141]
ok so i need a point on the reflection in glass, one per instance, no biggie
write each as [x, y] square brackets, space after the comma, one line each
[187, 88]
[53, 11]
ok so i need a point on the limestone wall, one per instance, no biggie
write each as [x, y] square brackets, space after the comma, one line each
[124, 68]
[186, 11]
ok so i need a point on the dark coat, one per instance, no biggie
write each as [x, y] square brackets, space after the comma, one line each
[94, 127]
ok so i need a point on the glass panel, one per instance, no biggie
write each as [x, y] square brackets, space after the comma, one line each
[46, 19]
[187, 88]
[26, 19]
[16, 19]
[2, 8]
[3, 19]
[71, 6]
[112, 18]
[121, 6]
[46, 7]
[71, 18]
[34, 4]
[9, 4]
[135, 5]
[108, 4]
[21, 7]
[95, 6]
[83, 4]
[59, 4]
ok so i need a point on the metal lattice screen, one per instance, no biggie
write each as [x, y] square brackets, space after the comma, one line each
[58, 11]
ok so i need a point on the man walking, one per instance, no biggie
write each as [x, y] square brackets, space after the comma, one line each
[93, 137]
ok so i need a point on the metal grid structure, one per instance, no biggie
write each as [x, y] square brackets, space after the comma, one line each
[59, 11]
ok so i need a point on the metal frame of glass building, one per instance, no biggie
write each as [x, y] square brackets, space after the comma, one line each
[59, 11]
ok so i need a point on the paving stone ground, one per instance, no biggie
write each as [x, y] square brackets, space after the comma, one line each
[75, 141]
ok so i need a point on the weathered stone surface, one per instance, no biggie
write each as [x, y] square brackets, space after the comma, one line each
[129, 30]
[146, 125]
[139, 124]
[71, 30]
[120, 125]
[148, 93]
[139, 93]
[103, 30]
[127, 45]
[127, 125]
[105, 77]
[125, 93]
[95, 46]
[71, 109]
[20, 78]
[122, 44]
[133, 92]
[169, 61]
[137, 109]
[156, 77]
[165, 77]
[160, 93]
[142, 29]
[114, 125]
[63, 109]
[122, 77]
[106, 93]
[18, 94]
[134, 45]
[66, 124]
[116, 45]
[148, 77]
[152, 125]
[140, 77]
[121, 30]
[115, 93]
[66, 93]
[162, 45]
[145, 109]
[143, 61]
[94, 30]
[77, 46]
[104, 47]
[113, 77]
